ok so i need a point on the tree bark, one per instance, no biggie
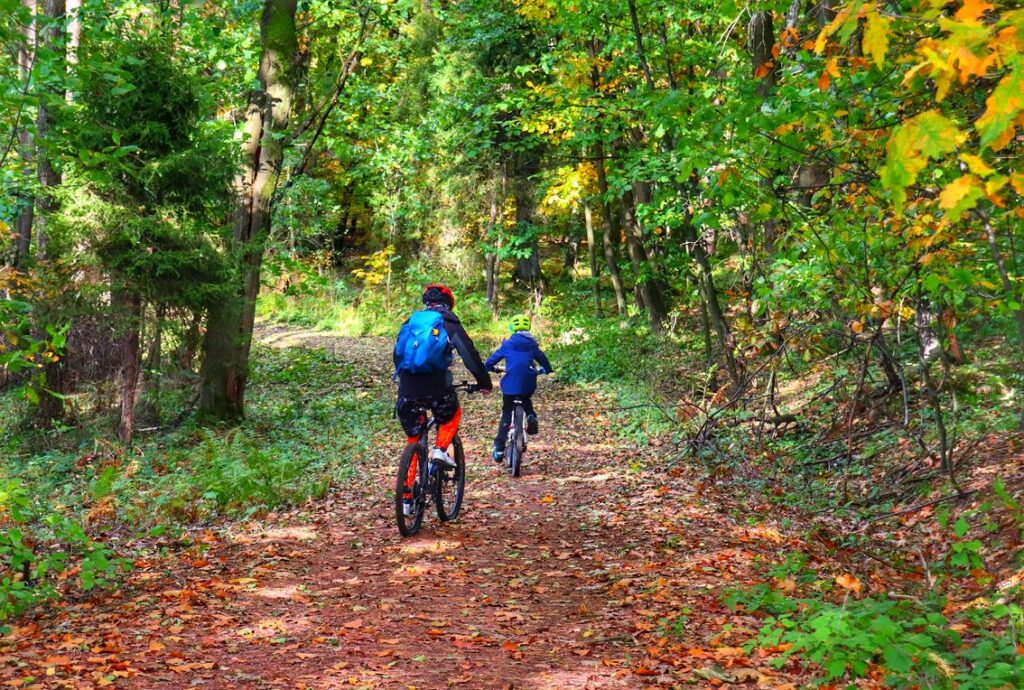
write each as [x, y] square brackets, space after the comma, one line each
[1004, 278]
[595, 270]
[130, 304]
[26, 141]
[230, 322]
[493, 263]
[710, 294]
[190, 342]
[527, 267]
[610, 231]
[650, 287]
[50, 36]
[761, 34]
[74, 12]
[649, 296]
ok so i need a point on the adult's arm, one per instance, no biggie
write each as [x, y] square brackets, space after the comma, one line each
[467, 351]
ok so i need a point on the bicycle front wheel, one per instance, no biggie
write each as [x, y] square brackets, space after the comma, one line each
[451, 484]
[411, 490]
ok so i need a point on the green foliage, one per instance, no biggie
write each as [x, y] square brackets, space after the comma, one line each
[24, 352]
[914, 642]
[41, 549]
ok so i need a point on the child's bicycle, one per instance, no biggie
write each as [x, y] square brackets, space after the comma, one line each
[420, 480]
[515, 443]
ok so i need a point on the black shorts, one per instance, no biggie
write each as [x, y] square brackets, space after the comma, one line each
[409, 409]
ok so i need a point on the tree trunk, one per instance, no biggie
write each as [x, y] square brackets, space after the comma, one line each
[650, 287]
[493, 264]
[230, 323]
[26, 142]
[761, 33]
[74, 11]
[610, 230]
[50, 36]
[710, 294]
[190, 342]
[1009, 291]
[595, 271]
[572, 247]
[130, 304]
[650, 297]
[527, 267]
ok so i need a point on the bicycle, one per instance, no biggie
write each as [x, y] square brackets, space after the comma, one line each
[515, 442]
[423, 481]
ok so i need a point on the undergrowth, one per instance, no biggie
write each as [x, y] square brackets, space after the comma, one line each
[60, 508]
[912, 642]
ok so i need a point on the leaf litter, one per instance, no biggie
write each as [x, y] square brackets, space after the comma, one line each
[589, 571]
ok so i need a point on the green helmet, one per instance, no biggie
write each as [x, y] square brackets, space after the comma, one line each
[519, 322]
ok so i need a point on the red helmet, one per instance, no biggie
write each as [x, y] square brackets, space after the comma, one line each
[436, 292]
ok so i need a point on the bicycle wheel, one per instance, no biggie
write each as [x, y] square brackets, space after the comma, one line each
[450, 484]
[411, 483]
[518, 444]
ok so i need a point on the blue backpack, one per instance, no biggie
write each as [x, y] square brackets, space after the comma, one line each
[422, 345]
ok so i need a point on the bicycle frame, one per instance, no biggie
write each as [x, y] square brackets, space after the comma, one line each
[417, 469]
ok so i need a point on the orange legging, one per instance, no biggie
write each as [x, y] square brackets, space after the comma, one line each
[445, 435]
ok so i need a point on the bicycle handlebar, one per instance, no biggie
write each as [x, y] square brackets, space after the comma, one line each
[501, 370]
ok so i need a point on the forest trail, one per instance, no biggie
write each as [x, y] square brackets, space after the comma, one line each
[587, 572]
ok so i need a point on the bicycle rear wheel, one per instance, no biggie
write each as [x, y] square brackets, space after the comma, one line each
[411, 484]
[518, 445]
[450, 484]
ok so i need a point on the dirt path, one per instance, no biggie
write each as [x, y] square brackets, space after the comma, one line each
[587, 572]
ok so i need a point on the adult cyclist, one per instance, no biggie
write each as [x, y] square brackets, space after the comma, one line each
[433, 390]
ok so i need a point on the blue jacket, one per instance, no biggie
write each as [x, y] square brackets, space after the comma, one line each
[519, 352]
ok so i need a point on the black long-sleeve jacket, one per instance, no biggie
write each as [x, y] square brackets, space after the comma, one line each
[437, 382]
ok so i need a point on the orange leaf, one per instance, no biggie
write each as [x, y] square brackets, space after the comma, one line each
[824, 81]
[787, 585]
[849, 582]
[57, 661]
[972, 10]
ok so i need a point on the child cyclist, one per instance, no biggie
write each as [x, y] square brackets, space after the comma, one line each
[520, 351]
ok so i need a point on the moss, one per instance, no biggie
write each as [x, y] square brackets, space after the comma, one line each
[280, 38]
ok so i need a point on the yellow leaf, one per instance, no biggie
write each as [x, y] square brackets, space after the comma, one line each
[849, 582]
[876, 37]
[976, 164]
[548, 499]
[960, 195]
[956, 190]
[366, 61]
